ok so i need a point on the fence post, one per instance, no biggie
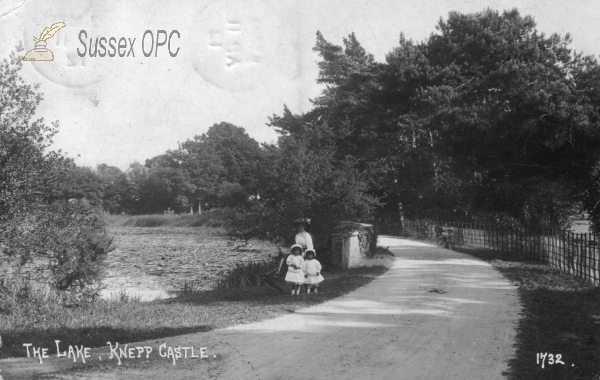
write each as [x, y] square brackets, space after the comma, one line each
[530, 243]
[565, 243]
[497, 235]
[571, 262]
[486, 239]
[575, 255]
[546, 247]
[596, 260]
[595, 266]
[580, 256]
[559, 241]
[588, 265]
[521, 242]
[591, 257]
[537, 250]
[505, 240]
[543, 247]
[590, 247]
[586, 256]
[501, 236]
[560, 258]
[536, 239]
[540, 249]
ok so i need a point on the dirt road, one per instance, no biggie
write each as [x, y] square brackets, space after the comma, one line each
[437, 314]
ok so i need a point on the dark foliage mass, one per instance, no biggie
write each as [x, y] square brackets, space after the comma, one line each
[487, 120]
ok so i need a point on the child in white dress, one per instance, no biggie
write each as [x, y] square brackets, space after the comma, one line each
[295, 273]
[312, 272]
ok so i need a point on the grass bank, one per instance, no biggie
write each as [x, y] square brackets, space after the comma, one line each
[161, 220]
[133, 321]
[561, 316]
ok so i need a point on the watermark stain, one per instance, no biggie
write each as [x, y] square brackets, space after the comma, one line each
[236, 41]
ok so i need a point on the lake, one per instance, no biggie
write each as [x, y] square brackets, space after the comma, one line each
[154, 262]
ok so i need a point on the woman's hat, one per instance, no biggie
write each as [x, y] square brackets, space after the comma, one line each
[296, 246]
[304, 221]
[308, 251]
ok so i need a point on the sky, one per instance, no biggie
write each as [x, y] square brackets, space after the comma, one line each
[237, 61]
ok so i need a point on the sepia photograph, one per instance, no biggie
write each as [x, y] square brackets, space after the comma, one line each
[300, 189]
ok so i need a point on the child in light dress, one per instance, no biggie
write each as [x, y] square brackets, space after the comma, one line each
[312, 271]
[295, 273]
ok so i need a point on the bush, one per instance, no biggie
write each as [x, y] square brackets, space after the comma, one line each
[246, 274]
[63, 245]
[76, 244]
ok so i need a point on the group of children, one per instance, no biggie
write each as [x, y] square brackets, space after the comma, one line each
[301, 271]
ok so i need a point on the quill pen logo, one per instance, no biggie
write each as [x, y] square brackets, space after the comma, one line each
[40, 52]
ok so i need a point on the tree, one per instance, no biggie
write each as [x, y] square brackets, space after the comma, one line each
[472, 124]
[220, 166]
[162, 189]
[368, 111]
[26, 172]
[507, 112]
[106, 187]
[115, 189]
[301, 177]
[79, 183]
[215, 169]
[28, 179]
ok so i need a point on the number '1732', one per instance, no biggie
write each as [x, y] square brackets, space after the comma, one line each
[552, 359]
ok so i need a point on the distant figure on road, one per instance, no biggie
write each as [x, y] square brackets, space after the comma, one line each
[303, 238]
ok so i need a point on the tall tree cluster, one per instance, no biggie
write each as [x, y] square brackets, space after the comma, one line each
[217, 169]
[487, 120]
